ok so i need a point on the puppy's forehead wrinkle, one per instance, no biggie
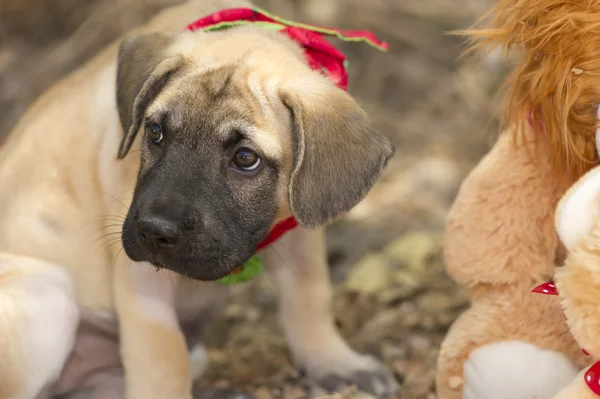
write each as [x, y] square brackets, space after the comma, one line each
[209, 103]
[263, 94]
[216, 83]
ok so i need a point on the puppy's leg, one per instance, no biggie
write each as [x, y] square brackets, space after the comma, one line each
[110, 384]
[38, 323]
[316, 345]
[153, 348]
[156, 358]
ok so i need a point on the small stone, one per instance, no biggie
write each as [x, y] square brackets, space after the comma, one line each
[413, 250]
[396, 295]
[419, 343]
[389, 351]
[434, 303]
[400, 367]
[411, 319]
[234, 312]
[428, 323]
[419, 377]
[262, 393]
[382, 321]
[216, 356]
[293, 392]
[222, 384]
[370, 275]
[408, 279]
[253, 314]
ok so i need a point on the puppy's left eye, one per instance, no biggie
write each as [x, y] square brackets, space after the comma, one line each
[246, 160]
[156, 134]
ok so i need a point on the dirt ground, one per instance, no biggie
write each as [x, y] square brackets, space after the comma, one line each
[393, 298]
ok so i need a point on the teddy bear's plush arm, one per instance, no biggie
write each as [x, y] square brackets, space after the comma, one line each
[577, 389]
[578, 283]
[500, 229]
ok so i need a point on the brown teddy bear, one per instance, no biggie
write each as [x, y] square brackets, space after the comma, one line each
[500, 237]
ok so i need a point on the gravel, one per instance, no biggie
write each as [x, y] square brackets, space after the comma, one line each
[393, 298]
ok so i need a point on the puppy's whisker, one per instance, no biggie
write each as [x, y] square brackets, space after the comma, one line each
[234, 258]
[104, 236]
[101, 219]
[101, 251]
[107, 249]
[97, 244]
[119, 225]
[113, 223]
[119, 201]
[111, 238]
[292, 250]
[104, 228]
[114, 262]
[229, 270]
[106, 244]
[119, 217]
[285, 263]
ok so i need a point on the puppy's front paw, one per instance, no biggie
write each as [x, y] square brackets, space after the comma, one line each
[363, 371]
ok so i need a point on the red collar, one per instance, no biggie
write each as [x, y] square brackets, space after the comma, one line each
[320, 55]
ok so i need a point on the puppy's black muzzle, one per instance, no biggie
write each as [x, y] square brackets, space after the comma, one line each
[158, 235]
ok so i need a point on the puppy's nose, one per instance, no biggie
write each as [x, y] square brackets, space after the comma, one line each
[157, 234]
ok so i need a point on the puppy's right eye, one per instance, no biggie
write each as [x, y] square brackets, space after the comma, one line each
[156, 134]
[246, 160]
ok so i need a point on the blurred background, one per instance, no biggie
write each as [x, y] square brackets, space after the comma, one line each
[393, 298]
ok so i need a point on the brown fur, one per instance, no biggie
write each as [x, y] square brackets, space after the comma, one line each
[578, 284]
[327, 111]
[556, 82]
[499, 243]
[506, 313]
[518, 231]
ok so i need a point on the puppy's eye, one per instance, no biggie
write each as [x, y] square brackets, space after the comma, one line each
[246, 160]
[156, 134]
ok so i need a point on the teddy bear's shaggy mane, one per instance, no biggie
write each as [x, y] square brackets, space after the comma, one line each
[556, 85]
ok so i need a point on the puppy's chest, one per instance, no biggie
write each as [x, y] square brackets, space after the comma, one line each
[197, 302]
[195, 305]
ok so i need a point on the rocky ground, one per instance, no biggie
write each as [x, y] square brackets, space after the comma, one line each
[393, 298]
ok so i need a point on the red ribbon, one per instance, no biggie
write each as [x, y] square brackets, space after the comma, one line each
[592, 378]
[279, 229]
[320, 54]
[546, 288]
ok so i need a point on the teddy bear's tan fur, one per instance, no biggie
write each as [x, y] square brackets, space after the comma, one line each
[500, 236]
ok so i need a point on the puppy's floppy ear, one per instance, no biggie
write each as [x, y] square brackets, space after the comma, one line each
[338, 155]
[143, 70]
